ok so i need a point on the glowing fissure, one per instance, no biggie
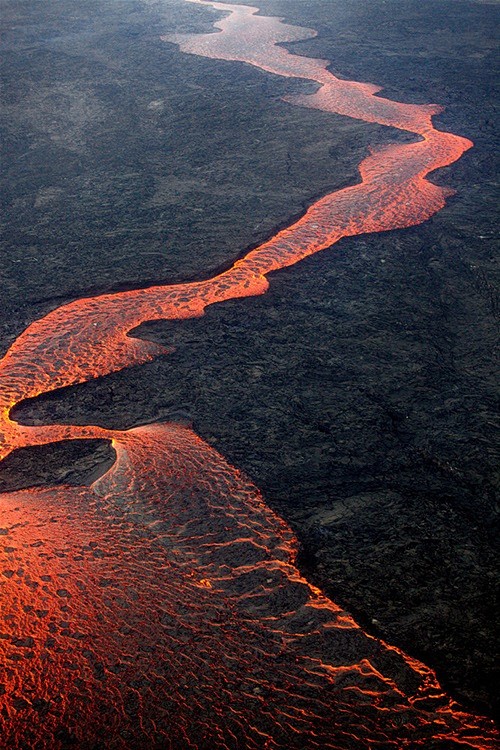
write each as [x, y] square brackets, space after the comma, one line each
[161, 607]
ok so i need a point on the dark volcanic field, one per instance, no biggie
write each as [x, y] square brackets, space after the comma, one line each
[359, 393]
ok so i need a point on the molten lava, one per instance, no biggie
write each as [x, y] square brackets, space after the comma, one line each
[161, 607]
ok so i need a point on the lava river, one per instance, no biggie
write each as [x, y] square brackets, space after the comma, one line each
[161, 607]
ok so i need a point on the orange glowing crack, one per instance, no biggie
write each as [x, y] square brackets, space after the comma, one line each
[162, 607]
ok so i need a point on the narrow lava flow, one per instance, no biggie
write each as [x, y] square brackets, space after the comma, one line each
[161, 607]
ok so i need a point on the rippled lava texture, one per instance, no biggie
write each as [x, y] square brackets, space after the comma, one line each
[161, 606]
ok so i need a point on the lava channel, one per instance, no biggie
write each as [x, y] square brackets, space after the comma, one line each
[161, 607]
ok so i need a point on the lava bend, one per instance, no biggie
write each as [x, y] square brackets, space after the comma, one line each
[161, 607]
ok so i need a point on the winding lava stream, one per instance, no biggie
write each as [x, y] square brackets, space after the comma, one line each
[161, 606]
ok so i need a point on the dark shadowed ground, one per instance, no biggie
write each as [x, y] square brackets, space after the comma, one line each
[359, 393]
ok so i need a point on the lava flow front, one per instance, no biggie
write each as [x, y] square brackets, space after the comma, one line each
[161, 607]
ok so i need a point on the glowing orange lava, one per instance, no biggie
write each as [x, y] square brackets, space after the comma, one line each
[161, 607]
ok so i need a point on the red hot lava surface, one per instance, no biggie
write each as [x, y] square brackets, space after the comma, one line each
[161, 607]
